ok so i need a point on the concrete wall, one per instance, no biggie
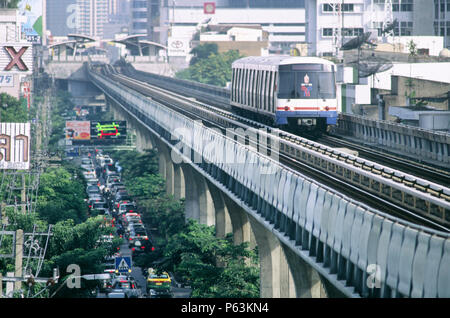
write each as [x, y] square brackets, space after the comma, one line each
[402, 86]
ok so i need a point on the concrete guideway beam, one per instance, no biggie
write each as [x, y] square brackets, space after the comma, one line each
[328, 247]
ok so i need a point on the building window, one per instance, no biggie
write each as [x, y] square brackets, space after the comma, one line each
[327, 7]
[275, 3]
[406, 28]
[352, 31]
[326, 32]
[346, 7]
[403, 5]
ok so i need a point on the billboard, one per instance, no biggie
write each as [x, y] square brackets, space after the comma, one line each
[177, 46]
[6, 80]
[78, 130]
[15, 146]
[107, 130]
[32, 27]
[16, 58]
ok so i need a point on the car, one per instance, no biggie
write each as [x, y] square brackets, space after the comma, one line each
[89, 175]
[86, 161]
[104, 160]
[141, 246]
[95, 199]
[114, 178]
[100, 207]
[110, 169]
[93, 189]
[124, 287]
[115, 204]
[136, 232]
[92, 181]
[127, 207]
[89, 168]
[159, 284]
[95, 196]
[125, 218]
[117, 187]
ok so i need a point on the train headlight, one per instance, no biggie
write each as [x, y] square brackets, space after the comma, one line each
[286, 108]
[327, 108]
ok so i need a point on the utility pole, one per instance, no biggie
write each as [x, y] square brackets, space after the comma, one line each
[23, 196]
[18, 259]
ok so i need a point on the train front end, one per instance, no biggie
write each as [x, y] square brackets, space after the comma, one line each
[306, 96]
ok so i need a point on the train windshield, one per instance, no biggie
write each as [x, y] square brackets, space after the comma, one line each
[306, 84]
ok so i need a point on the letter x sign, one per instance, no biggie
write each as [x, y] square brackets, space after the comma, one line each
[16, 58]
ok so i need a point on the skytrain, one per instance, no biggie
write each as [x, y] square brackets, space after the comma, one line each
[294, 93]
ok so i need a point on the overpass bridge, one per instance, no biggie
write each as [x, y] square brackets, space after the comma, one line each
[313, 240]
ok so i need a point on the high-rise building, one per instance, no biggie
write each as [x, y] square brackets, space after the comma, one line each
[321, 25]
[283, 20]
[91, 17]
[139, 17]
[331, 22]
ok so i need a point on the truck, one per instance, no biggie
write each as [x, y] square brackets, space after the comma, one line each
[159, 284]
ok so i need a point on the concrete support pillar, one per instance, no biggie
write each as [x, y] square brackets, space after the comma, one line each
[179, 188]
[307, 283]
[242, 231]
[223, 220]
[283, 273]
[199, 204]
[169, 176]
[143, 139]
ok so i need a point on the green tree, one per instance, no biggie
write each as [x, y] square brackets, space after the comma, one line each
[215, 267]
[61, 197]
[12, 110]
[202, 52]
[214, 69]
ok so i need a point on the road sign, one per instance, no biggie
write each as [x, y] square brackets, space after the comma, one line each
[103, 130]
[123, 264]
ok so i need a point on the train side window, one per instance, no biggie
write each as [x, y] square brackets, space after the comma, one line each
[269, 97]
[253, 85]
[275, 87]
[233, 84]
[249, 87]
[263, 90]
[244, 93]
[268, 90]
[258, 89]
[238, 83]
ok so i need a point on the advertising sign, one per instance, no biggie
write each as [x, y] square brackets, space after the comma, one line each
[16, 58]
[15, 146]
[6, 80]
[108, 130]
[209, 7]
[78, 130]
[32, 10]
[177, 46]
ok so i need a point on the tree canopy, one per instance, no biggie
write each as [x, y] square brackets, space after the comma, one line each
[12, 110]
[210, 67]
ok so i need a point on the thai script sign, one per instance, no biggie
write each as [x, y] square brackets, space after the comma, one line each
[15, 146]
[78, 130]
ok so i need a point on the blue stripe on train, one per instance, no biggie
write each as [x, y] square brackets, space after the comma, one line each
[281, 116]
